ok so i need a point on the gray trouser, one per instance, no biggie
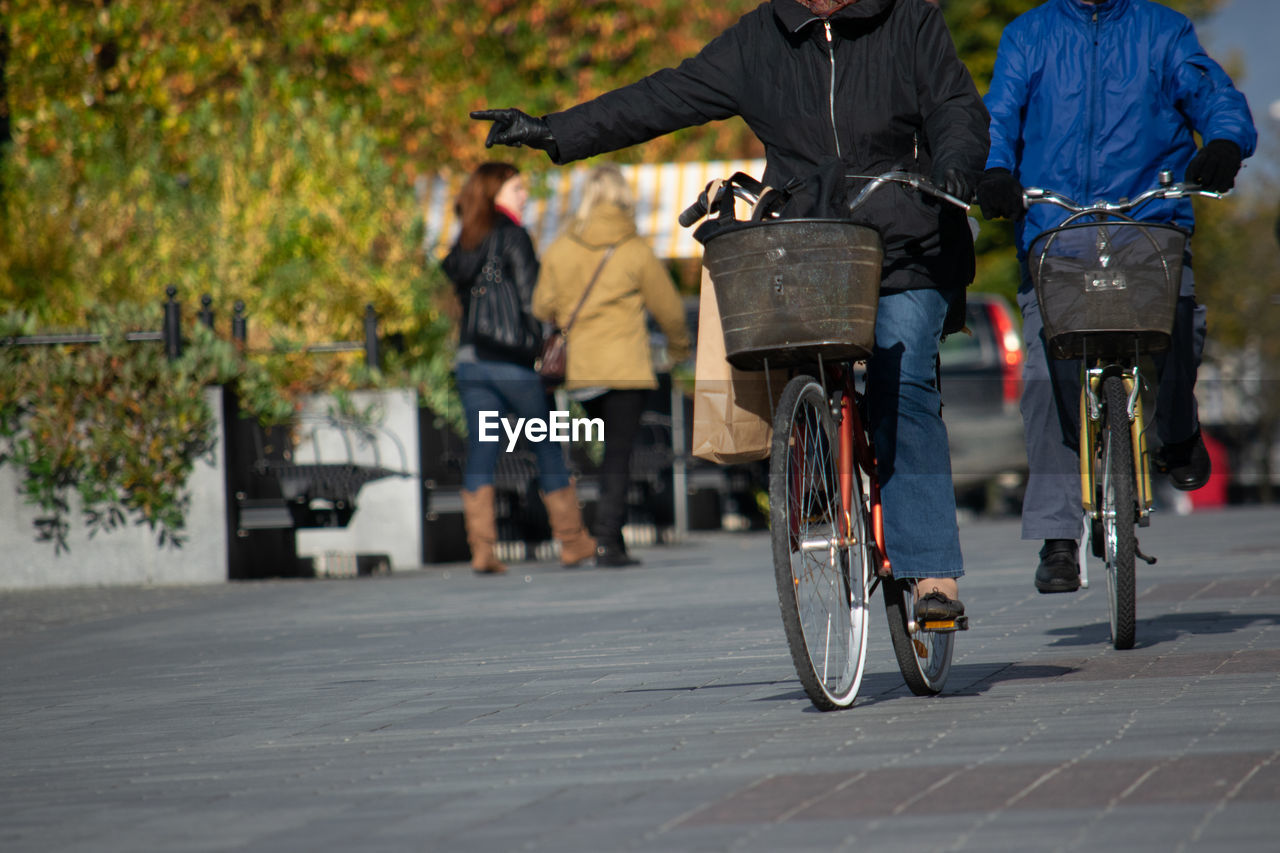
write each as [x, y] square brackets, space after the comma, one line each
[1051, 508]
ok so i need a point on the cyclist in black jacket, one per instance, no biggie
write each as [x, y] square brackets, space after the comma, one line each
[840, 88]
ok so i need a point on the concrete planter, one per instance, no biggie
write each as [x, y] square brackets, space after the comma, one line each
[128, 555]
[387, 521]
[388, 518]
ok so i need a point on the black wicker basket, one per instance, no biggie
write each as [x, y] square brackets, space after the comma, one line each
[1108, 287]
[790, 290]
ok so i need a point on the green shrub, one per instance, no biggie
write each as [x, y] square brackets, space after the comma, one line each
[117, 423]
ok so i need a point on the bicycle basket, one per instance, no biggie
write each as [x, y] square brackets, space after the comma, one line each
[790, 290]
[1110, 286]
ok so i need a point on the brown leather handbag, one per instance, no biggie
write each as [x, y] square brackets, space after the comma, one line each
[555, 349]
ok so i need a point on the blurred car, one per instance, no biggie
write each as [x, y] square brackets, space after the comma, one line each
[981, 387]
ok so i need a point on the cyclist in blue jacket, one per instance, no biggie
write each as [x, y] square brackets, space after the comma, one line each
[1093, 99]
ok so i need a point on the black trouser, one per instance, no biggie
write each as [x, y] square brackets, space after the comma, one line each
[620, 410]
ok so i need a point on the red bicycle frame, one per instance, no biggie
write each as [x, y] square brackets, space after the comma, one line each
[856, 457]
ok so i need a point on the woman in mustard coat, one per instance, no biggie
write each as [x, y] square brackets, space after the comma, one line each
[610, 367]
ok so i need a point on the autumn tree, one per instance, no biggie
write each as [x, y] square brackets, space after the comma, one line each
[265, 151]
[6, 136]
[1237, 264]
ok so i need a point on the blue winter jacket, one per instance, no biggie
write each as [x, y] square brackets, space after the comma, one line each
[1094, 101]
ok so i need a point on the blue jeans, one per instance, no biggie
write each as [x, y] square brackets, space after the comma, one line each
[912, 455]
[1051, 508]
[511, 390]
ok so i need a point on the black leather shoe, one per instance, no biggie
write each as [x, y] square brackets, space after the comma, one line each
[1059, 569]
[614, 556]
[1186, 462]
[937, 607]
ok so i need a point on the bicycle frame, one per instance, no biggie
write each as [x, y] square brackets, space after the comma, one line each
[856, 458]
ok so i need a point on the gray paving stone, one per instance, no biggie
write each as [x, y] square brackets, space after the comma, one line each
[642, 710]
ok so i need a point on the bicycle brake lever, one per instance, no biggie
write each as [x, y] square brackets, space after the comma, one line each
[957, 201]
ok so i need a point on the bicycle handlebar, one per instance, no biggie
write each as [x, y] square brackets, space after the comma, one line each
[693, 213]
[1037, 195]
[918, 182]
[703, 204]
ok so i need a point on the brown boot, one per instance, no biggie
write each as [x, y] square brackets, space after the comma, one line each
[566, 526]
[482, 530]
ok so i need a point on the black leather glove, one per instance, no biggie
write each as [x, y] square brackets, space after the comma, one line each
[1215, 165]
[957, 182]
[515, 128]
[1000, 195]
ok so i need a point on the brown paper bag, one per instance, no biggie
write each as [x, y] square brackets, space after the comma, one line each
[731, 412]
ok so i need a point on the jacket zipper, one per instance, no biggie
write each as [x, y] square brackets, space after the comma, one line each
[831, 97]
[1093, 86]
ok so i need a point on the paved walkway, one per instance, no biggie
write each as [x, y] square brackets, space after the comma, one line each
[648, 709]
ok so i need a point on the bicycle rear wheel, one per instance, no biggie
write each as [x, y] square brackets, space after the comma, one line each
[924, 657]
[1118, 510]
[822, 580]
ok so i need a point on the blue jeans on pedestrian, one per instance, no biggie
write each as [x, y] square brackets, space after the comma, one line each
[515, 392]
[912, 455]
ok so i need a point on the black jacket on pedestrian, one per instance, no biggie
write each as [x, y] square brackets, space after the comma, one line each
[875, 87]
[513, 250]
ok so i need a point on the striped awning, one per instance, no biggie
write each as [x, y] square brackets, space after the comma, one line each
[662, 190]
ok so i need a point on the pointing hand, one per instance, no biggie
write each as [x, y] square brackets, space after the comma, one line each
[515, 128]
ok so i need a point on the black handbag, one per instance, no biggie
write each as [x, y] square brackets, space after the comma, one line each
[498, 322]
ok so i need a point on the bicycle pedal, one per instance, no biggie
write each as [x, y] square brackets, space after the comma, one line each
[946, 626]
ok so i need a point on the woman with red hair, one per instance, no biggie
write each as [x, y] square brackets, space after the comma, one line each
[493, 268]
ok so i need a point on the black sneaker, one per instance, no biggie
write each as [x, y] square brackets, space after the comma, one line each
[1059, 569]
[1186, 462]
[614, 556]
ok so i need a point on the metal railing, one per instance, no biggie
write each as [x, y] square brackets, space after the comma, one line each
[170, 333]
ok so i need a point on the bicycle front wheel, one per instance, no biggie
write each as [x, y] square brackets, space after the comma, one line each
[1118, 510]
[822, 574]
[924, 657]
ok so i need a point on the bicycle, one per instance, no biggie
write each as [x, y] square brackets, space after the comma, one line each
[802, 294]
[1107, 286]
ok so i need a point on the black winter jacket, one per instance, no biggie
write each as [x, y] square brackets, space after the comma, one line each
[514, 250]
[876, 87]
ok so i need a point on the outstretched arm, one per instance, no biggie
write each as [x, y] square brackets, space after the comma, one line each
[702, 88]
